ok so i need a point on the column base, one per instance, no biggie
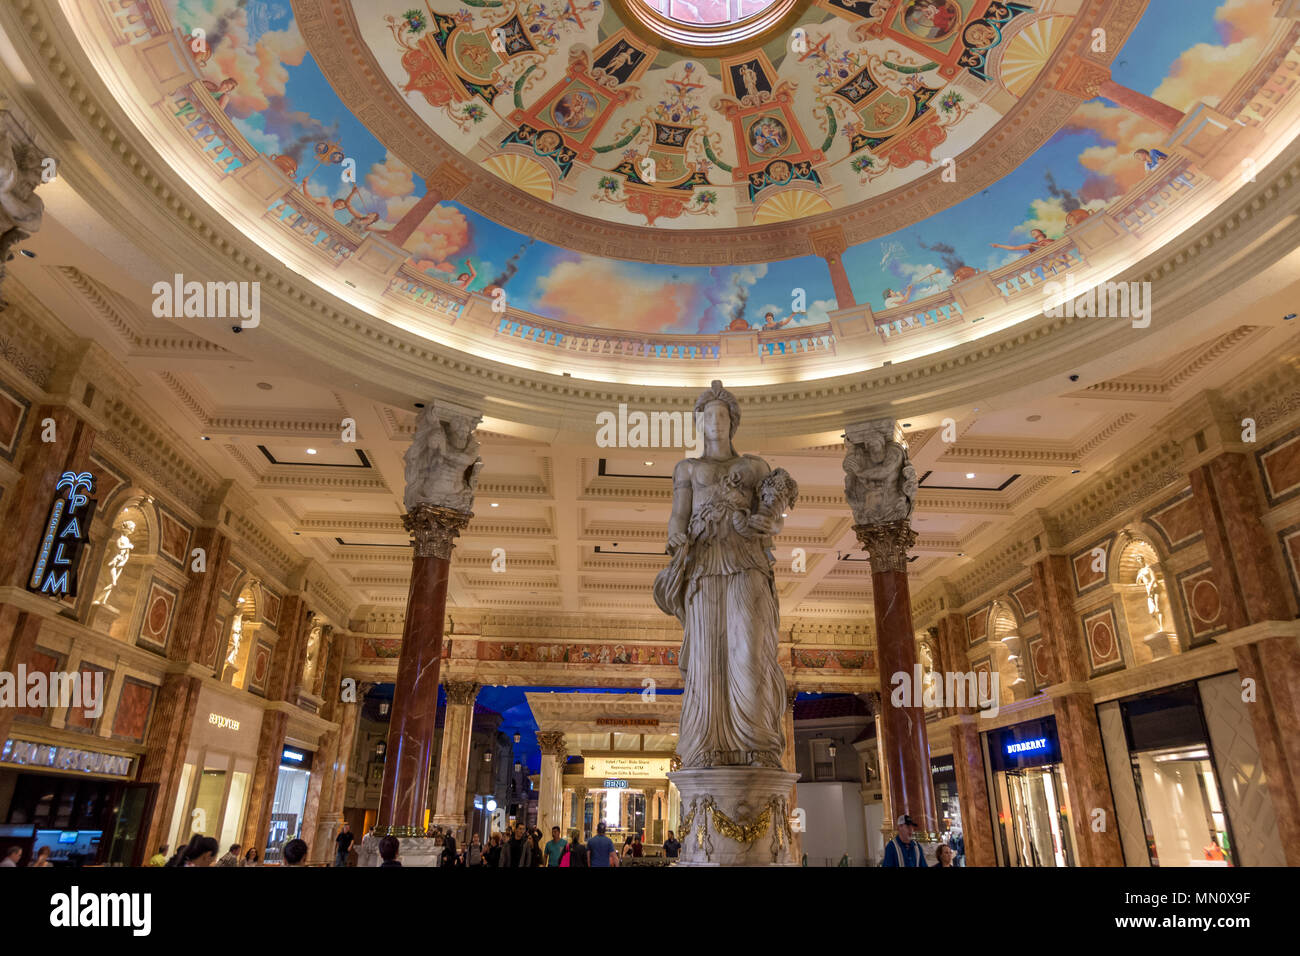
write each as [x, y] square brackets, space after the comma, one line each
[1161, 644]
[415, 851]
[735, 816]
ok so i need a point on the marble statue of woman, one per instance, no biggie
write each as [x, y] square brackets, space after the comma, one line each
[719, 584]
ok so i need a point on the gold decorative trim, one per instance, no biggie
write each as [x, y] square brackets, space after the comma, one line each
[434, 529]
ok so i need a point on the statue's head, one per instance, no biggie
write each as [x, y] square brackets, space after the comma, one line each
[715, 410]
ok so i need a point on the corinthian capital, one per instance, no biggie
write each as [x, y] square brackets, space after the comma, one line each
[461, 691]
[886, 544]
[551, 742]
[433, 529]
[879, 481]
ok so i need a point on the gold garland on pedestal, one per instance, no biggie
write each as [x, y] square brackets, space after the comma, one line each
[744, 831]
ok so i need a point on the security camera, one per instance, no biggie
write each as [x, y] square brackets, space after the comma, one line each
[1074, 378]
[236, 329]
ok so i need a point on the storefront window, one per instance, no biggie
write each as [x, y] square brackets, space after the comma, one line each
[944, 775]
[290, 801]
[1177, 788]
[1033, 804]
[233, 819]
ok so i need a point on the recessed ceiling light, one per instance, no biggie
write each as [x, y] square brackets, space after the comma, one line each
[1288, 317]
[970, 474]
[204, 438]
[1075, 471]
[648, 463]
[1034, 418]
[419, 404]
[264, 386]
[907, 424]
[311, 451]
[496, 504]
[784, 515]
[961, 554]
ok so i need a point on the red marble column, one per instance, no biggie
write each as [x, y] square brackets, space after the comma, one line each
[409, 222]
[967, 755]
[1162, 114]
[831, 245]
[193, 637]
[1251, 590]
[18, 630]
[1076, 718]
[164, 757]
[266, 771]
[1250, 582]
[27, 503]
[907, 747]
[412, 728]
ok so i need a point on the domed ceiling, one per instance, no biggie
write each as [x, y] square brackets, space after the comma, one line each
[544, 147]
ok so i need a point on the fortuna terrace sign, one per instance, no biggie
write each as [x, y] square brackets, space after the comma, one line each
[66, 532]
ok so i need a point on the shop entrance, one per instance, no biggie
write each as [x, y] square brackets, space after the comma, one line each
[1035, 822]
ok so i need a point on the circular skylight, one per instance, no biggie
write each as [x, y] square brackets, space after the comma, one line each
[709, 23]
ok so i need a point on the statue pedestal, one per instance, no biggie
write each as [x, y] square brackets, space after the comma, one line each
[735, 816]
[415, 851]
[1159, 643]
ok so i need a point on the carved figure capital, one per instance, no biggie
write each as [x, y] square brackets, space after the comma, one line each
[880, 483]
[886, 544]
[442, 464]
[433, 529]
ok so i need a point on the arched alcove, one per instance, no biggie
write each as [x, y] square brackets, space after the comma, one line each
[1008, 652]
[129, 551]
[1144, 599]
[244, 623]
[313, 670]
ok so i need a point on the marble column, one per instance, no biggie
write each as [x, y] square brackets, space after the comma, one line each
[1076, 716]
[26, 504]
[1087, 79]
[412, 722]
[552, 782]
[18, 630]
[266, 770]
[789, 762]
[193, 635]
[453, 762]
[1251, 590]
[581, 818]
[831, 245]
[880, 486]
[967, 755]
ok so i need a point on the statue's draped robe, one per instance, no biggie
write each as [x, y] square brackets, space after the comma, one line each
[720, 586]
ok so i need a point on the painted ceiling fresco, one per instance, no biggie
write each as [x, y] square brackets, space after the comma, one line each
[766, 133]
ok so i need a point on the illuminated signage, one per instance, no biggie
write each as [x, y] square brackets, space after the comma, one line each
[616, 784]
[617, 768]
[1028, 746]
[217, 720]
[291, 755]
[66, 531]
[627, 721]
[25, 753]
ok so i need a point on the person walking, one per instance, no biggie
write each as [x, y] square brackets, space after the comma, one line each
[202, 851]
[538, 857]
[943, 856]
[294, 853]
[343, 843]
[449, 855]
[232, 856]
[600, 848]
[577, 850]
[12, 856]
[518, 850]
[474, 852]
[671, 846]
[389, 848]
[902, 850]
[493, 855]
[555, 848]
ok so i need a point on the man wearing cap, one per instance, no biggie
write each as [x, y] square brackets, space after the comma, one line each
[902, 850]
